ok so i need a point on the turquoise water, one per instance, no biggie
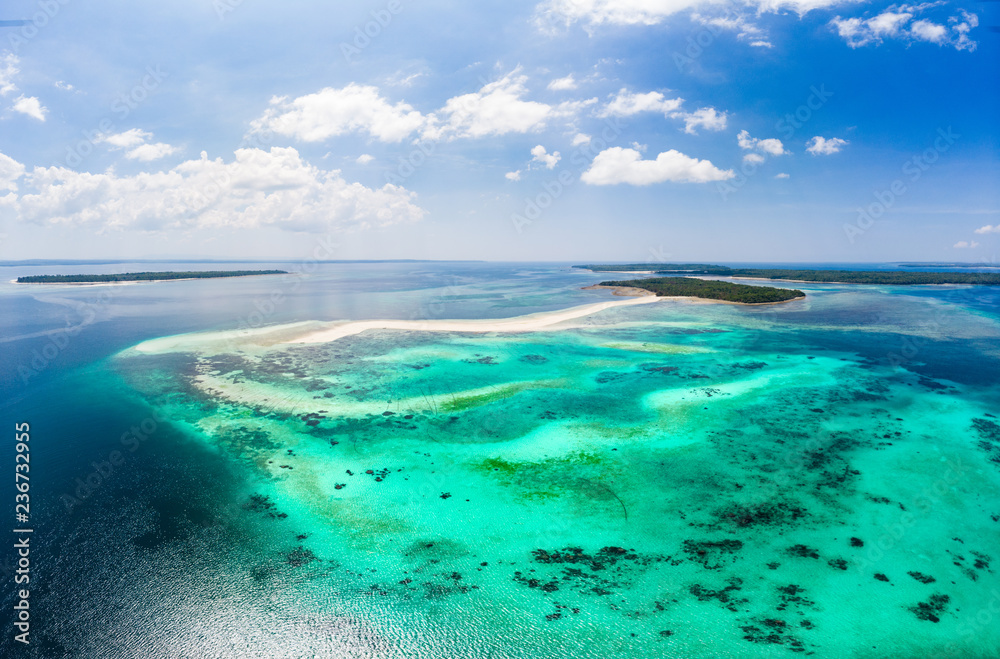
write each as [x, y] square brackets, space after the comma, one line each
[667, 480]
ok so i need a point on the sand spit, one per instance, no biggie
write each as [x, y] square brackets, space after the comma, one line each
[322, 332]
[529, 323]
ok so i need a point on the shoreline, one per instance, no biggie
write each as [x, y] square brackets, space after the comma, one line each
[626, 291]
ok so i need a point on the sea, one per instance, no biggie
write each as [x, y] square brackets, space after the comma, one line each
[677, 479]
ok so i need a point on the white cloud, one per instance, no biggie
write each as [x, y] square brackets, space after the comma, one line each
[962, 27]
[135, 140]
[823, 146]
[331, 112]
[404, 79]
[129, 138]
[563, 84]
[924, 30]
[30, 106]
[781, 175]
[772, 146]
[619, 165]
[961, 244]
[65, 86]
[895, 23]
[754, 158]
[580, 138]
[626, 104]
[497, 109]
[256, 189]
[150, 152]
[8, 71]
[744, 29]
[10, 171]
[707, 118]
[364, 159]
[538, 154]
[981, 230]
[513, 176]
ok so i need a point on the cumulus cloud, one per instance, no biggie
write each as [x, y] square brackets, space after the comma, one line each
[962, 244]
[771, 146]
[580, 138]
[626, 104]
[981, 230]
[331, 112]
[563, 84]
[781, 175]
[706, 118]
[754, 158]
[364, 159]
[897, 22]
[924, 30]
[513, 176]
[498, 108]
[539, 155]
[257, 188]
[823, 146]
[10, 171]
[30, 106]
[620, 165]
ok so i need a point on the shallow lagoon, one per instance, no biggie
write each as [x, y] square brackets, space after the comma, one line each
[677, 479]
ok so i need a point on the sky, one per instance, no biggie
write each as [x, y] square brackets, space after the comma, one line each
[539, 130]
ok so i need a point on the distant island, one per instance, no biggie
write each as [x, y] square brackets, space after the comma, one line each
[893, 277]
[142, 276]
[708, 289]
[949, 265]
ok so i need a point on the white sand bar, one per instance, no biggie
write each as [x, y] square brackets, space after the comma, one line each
[529, 323]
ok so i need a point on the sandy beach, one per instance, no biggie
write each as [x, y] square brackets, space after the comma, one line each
[528, 323]
[320, 332]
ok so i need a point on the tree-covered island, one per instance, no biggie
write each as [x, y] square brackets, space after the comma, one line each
[709, 289]
[142, 276]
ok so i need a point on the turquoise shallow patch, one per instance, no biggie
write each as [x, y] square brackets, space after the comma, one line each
[674, 480]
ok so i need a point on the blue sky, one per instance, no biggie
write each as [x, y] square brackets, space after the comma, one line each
[804, 130]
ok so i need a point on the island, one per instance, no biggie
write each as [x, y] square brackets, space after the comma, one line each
[890, 277]
[142, 276]
[707, 289]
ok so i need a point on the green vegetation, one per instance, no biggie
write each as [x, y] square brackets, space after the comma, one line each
[660, 268]
[142, 276]
[892, 277]
[710, 290]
